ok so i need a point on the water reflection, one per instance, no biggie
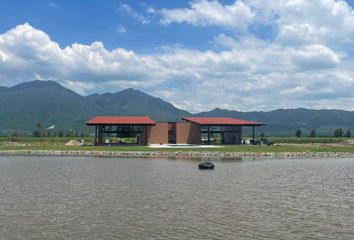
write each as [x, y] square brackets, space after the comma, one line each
[128, 198]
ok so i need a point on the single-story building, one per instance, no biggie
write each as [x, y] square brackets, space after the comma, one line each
[192, 130]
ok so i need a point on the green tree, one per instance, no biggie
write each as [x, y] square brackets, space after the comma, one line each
[70, 133]
[348, 134]
[39, 130]
[36, 133]
[298, 133]
[60, 134]
[338, 133]
[313, 133]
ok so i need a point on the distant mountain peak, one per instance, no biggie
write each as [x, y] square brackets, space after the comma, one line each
[131, 91]
[219, 109]
[134, 102]
[37, 83]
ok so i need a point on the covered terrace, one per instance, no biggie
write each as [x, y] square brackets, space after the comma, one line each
[120, 130]
[221, 130]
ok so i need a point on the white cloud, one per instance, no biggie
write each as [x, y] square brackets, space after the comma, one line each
[249, 74]
[317, 21]
[79, 87]
[120, 29]
[28, 53]
[134, 14]
[53, 5]
[208, 13]
[315, 57]
[295, 21]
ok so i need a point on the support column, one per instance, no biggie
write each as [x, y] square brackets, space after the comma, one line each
[253, 134]
[100, 135]
[240, 135]
[145, 135]
[95, 140]
[208, 135]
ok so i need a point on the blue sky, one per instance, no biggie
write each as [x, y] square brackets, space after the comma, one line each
[199, 54]
[67, 22]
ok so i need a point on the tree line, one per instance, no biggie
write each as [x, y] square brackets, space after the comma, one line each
[338, 133]
[40, 131]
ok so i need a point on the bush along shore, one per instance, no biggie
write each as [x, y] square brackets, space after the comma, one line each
[179, 154]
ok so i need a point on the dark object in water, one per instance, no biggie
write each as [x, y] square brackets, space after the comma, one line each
[206, 165]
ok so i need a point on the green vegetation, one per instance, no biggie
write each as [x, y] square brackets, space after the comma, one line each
[298, 133]
[306, 140]
[338, 133]
[348, 134]
[313, 133]
[30, 143]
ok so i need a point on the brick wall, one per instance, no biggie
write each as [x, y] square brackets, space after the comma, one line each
[187, 132]
[157, 134]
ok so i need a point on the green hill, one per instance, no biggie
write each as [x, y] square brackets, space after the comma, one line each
[131, 102]
[287, 121]
[47, 102]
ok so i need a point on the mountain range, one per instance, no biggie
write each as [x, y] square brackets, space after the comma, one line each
[47, 102]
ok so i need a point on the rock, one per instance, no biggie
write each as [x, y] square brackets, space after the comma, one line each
[10, 144]
[73, 143]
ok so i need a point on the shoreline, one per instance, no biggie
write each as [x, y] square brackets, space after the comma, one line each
[178, 154]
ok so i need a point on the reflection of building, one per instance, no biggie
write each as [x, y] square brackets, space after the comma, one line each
[193, 130]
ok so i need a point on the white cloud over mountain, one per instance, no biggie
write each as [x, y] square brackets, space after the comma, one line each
[307, 63]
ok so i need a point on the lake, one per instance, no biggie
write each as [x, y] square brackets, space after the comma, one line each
[132, 198]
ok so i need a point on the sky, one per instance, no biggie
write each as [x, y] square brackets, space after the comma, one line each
[245, 55]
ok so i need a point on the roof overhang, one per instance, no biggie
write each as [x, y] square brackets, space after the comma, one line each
[221, 121]
[120, 120]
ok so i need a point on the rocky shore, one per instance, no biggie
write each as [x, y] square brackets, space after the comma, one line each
[179, 154]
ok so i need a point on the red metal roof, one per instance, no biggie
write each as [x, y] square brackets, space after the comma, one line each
[101, 120]
[221, 121]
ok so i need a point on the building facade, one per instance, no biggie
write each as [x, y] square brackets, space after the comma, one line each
[192, 130]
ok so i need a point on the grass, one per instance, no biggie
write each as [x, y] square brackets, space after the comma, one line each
[303, 140]
[30, 143]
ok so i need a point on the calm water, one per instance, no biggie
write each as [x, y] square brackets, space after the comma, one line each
[106, 198]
